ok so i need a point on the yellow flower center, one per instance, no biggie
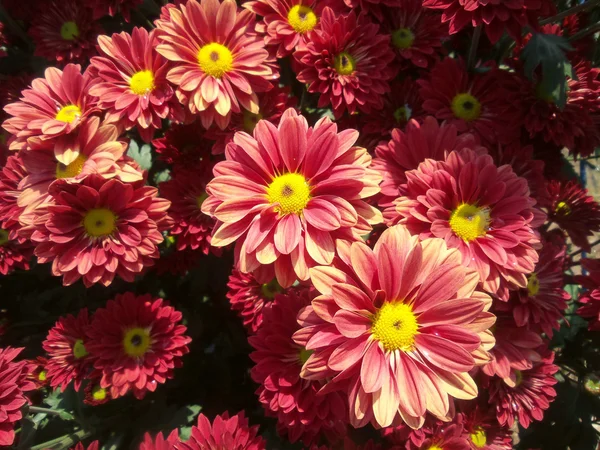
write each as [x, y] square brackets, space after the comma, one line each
[403, 114]
[344, 64]
[99, 222]
[142, 82]
[271, 289]
[533, 284]
[79, 350]
[435, 447]
[98, 393]
[42, 376]
[136, 342]
[200, 199]
[215, 59]
[466, 107]
[478, 437]
[470, 222]
[563, 208]
[250, 120]
[291, 191]
[518, 377]
[69, 31]
[3, 237]
[403, 38]
[72, 170]
[68, 114]
[302, 19]
[304, 355]
[395, 326]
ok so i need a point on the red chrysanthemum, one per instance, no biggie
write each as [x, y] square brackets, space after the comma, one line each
[11, 176]
[221, 62]
[590, 299]
[95, 394]
[65, 32]
[398, 327]
[13, 254]
[375, 8]
[302, 414]
[434, 434]
[100, 228]
[68, 357]
[225, 432]
[95, 445]
[495, 16]
[159, 442]
[113, 7]
[38, 374]
[348, 62]
[482, 430]
[132, 86]
[13, 385]
[183, 145]
[136, 342]
[289, 193]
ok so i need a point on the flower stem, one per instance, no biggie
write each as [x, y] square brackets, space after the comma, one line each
[65, 441]
[581, 250]
[574, 10]
[473, 48]
[585, 32]
[38, 410]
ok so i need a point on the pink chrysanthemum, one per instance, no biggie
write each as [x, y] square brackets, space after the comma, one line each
[95, 445]
[183, 145]
[434, 434]
[13, 385]
[225, 432]
[159, 442]
[54, 106]
[66, 32]
[399, 327]
[219, 70]
[133, 89]
[100, 228]
[13, 254]
[590, 299]
[95, 394]
[11, 175]
[136, 343]
[68, 357]
[482, 430]
[348, 62]
[113, 7]
[302, 414]
[483, 210]
[288, 193]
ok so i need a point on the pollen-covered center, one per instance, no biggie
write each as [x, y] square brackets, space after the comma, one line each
[200, 199]
[435, 447]
[72, 170]
[403, 114]
[302, 18]
[142, 82]
[3, 237]
[478, 437]
[99, 222]
[403, 38]
[518, 377]
[79, 350]
[563, 208]
[69, 31]
[250, 120]
[470, 222]
[42, 376]
[304, 355]
[344, 64]
[98, 393]
[271, 289]
[466, 107]
[395, 326]
[533, 284]
[136, 342]
[68, 114]
[215, 59]
[291, 191]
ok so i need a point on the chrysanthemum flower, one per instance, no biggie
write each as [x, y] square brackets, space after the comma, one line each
[494, 16]
[482, 430]
[159, 442]
[590, 299]
[38, 374]
[183, 145]
[375, 8]
[136, 343]
[399, 327]
[66, 32]
[13, 254]
[94, 394]
[434, 435]
[13, 385]
[232, 433]
[113, 7]
[302, 414]
[66, 345]
[348, 62]
[219, 70]
[133, 89]
[100, 228]
[54, 106]
[10, 176]
[95, 445]
[288, 193]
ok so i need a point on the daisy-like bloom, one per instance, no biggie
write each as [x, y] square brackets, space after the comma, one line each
[494, 16]
[302, 414]
[95, 445]
[250, 298]
[482, 430]
[159, 442]
[10, 91]
[13, 385]
[13, 254]
[100, 228]
[113, 7]
[480, 103]
[483, 210]
[232, 433]
[95, 394]
[183, 145]
[219, 70]
[590, 299]
[38, 375]
[136, 343]
[434, 435]
[10, 176]
[574, 211]
[54, 106]
[288, 193]
[530, 396]
[348, 62]
[68, 357]
[65, 32]
[399, 327]
[133, 89]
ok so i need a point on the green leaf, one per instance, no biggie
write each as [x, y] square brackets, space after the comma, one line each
[143, 155]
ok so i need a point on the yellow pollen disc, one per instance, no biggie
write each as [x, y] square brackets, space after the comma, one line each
[395, 326]
[215, 59]
[403, 114]
[136, 342]
[466, 107]
[69, 31]
[3, 237]
[42, 375]
[79, 350]
[98, 393]
[478, 437]
[470, 222]
[302, 19]
[99, 222]
[68, 114]
[304, 355]
[435, 447]
[518, 377]
[403, 38]
[271, 289]
[533, 284]
[72, 170]
[250, 120]
[200, 199]
[563, 208]
[291, 191]
[142, 82]
[344, 64]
